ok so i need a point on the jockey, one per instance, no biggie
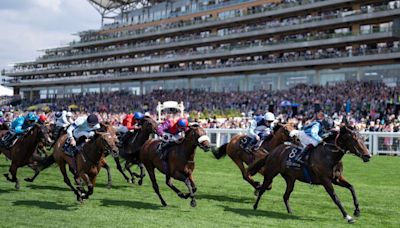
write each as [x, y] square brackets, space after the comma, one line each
[62, 120]
[18, 127]
[82, 129]
[131, 122]
[260, 128]
[171, 132]
[312, 135]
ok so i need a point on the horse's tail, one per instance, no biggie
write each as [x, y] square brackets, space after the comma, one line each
[256, 166]
[46, 163]
[220, 152]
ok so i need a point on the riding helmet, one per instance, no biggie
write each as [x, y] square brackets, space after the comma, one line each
[138, 115]
[92, 119]
[183, 123]
[31, 116]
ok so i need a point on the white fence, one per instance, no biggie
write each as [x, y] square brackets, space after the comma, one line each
[377, 142]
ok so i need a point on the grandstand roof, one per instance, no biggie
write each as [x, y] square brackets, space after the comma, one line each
[114, 4]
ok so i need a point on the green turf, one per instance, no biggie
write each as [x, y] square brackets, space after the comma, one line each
[224, 200]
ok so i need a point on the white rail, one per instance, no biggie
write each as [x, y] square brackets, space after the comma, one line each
[377, 142]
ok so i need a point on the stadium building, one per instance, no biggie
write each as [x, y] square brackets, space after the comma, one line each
[220, 45]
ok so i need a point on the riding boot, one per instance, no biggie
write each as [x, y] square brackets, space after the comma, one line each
[299, 157]
[258, 145]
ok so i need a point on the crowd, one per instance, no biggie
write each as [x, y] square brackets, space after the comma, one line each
[369, 106]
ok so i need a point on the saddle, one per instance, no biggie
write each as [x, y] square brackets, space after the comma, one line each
[293, 161]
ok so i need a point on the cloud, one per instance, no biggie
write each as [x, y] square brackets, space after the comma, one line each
[28, 26]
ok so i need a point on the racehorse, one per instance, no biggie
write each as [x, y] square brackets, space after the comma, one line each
[131, 147]
[179, 163]
[325, 167]
[49, 160]
[240, 157]
[20, 154]
[88, 161]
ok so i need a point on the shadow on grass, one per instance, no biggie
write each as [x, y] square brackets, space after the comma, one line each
[6, 190]
[268, 214]
[132, 204]
[48, 187]
[222, 198]
[44, 205]
[113, 186]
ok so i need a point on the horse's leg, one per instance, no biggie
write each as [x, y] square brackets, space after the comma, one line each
[267, 182]
[13, 171]
[150, 171]
[128, 166]
[289, 188]
[68, 182]
[89, 183]
[331, 191]
[245, 175]
[142, 174]
[191, 193]
[116, 159]
[343, 183]
[168, 181]
[107, 167]
[193, 184]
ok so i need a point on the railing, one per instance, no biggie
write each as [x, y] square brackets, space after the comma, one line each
[387, 143]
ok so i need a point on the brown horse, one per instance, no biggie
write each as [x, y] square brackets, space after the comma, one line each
[324, 164]
[21, 153]
[49, 160]
[131, 147]
[88, 162]
[179, 162]
[241, 157]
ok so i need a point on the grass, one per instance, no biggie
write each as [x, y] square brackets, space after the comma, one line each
[224, 200]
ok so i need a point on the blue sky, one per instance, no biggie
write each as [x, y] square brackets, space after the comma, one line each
[31, 25]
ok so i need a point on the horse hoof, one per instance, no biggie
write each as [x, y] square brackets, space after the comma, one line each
[6, 176]
[254, 207]
[109, 186]
[17, 187]
[181, 195]
[350, 219]
[164, 204]
[357, 213]
[140, 182]
[193, 203]
[28, 179]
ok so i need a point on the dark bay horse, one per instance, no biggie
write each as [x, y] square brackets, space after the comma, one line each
[21, 153]
[325, 167]
[131, 147]
[89, 161]
[179, 162]
[240, 157]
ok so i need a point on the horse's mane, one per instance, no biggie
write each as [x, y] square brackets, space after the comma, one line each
[277, 127]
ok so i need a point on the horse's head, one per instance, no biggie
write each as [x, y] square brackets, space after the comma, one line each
[282, 133]
[43, 134]
[198, 136]
[149, 125]
[352, 141]
[108, 139]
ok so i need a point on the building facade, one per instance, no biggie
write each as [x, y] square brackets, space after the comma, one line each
[217, 45]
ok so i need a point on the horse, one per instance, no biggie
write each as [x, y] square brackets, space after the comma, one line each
[131, 147]
[88, 161]
[4, 126]
[240, 157]
[21, 153]
[49, 160]
[325, 167]
[178, 164]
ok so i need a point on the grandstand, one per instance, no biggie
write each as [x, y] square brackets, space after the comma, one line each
[220, 46]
